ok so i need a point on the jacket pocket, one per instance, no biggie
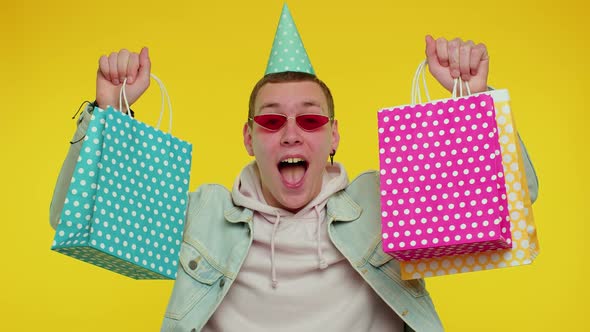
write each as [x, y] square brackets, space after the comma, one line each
[391, 268]
[193, 282]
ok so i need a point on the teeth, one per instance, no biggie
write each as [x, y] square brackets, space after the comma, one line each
[292, 160]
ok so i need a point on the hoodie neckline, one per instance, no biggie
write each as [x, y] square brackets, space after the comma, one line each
[247, 192]
[340, 207]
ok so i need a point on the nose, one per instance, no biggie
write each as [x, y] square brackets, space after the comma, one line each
[291, 133]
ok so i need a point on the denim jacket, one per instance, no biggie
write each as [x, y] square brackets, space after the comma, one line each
[218, 235]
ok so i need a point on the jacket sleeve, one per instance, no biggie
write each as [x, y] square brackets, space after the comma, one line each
[529, 170]
[67, 168]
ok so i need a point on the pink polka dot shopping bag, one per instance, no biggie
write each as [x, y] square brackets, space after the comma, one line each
[454, 196]
[125, 207]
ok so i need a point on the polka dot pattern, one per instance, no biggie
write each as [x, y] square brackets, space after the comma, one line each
[288, 52]
[127, 199]
[525, 243]
[111, 263]
[442, 182]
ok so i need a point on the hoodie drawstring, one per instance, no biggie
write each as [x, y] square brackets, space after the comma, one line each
[273, 270]
[322, 261]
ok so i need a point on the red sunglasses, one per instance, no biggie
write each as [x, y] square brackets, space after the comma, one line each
[275, 121]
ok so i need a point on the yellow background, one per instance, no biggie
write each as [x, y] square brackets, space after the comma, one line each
[209, 55]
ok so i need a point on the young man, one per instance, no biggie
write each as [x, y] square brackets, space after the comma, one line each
[294, 246]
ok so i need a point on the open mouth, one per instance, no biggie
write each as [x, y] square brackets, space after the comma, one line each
[292, 170]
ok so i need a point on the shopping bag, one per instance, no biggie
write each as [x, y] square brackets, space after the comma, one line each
[126, 203]
[525, 242]
[442, 186]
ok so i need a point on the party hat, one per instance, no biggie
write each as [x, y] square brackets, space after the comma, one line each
[288, 53]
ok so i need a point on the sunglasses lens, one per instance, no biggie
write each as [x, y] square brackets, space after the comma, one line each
[306, 122]
[311, 121]
[271, 121]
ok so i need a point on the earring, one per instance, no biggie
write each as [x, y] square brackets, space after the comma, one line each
[332, 157]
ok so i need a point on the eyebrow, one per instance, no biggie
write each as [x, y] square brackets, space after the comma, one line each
[307, 103]
[268, 105]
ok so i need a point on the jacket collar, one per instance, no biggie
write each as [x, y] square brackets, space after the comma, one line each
[238, 214]
[342, 207]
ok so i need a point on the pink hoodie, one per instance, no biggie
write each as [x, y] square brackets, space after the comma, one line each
[294, 278]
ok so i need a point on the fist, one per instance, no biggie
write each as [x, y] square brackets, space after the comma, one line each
[117, 67]
[449, 59]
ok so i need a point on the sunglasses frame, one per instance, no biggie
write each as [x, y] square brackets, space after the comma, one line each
[291, 117]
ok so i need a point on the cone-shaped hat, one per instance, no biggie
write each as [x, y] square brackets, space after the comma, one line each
[288, 53]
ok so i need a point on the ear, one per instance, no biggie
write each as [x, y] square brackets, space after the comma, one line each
[335, 136]
[247, 131]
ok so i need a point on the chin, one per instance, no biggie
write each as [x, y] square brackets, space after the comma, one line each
[294, 204]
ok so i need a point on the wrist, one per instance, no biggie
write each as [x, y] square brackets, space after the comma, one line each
[104, 107]
[100, 105]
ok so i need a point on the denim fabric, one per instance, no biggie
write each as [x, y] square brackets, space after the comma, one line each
[218, 236]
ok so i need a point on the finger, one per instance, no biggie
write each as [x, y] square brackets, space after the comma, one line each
[132, 67]
[430, 48]
[479, 54]
[122, 64]
[144, 64]
[113, 72]
[442, 51]
[453, 49]
[465, 60]
[103, 67]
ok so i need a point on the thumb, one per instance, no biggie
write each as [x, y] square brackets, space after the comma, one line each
[145, 64]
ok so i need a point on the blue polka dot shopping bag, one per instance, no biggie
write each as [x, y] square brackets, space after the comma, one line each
[126, 203]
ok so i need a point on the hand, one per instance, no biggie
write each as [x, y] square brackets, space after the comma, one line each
[114, 69]
[448, 60]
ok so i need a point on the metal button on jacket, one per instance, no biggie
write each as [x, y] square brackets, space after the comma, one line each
[193, 264]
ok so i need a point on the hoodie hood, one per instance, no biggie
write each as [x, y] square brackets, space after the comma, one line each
[247, 192]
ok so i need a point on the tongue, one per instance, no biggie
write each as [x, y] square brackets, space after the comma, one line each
[292, 174]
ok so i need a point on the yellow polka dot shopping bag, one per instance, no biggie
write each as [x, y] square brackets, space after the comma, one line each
[125, 207]
[453, 190]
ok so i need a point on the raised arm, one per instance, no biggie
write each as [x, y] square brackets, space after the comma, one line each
[449, 59]
[112, 71]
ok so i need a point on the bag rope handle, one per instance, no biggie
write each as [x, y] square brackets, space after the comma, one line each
[164, 94]
[421, 74]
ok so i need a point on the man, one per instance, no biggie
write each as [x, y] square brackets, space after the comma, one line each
[294, 246]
